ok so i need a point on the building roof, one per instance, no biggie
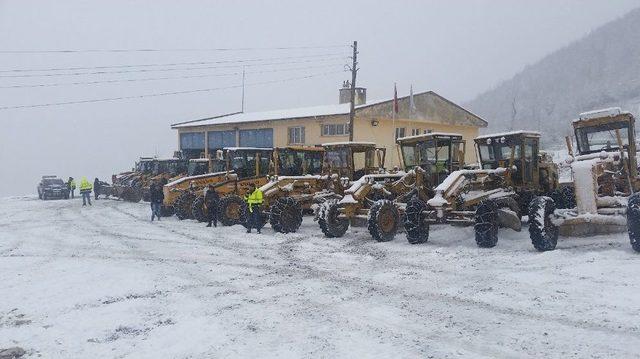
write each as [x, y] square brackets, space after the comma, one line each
[295, 113]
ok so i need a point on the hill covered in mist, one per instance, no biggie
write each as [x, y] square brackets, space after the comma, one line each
[600, 70]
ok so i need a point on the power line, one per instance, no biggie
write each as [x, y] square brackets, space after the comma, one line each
[68, 51]
[167, 93]
[174, 63]
[166, 78]
[171, 69]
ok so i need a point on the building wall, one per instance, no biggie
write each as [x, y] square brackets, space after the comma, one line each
[382, 134]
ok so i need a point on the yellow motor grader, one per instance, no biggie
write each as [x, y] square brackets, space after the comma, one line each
[133, 186]
[604, 183]
[512, 172]
[377, 199]
[287, 197]
[233, 170]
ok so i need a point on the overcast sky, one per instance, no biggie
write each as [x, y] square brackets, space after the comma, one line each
[456, 48]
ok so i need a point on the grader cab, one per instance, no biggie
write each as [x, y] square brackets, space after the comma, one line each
[604, 178]
[513, 170]
[378, 199]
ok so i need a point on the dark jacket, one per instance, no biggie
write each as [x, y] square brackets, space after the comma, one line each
[155, 194]
[211, 199]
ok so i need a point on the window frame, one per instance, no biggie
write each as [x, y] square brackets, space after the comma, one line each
[291, 140]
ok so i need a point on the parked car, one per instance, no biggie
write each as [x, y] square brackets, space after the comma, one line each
[52, 187]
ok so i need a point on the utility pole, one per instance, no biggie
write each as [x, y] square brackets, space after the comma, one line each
[242, 89]
[354, 71]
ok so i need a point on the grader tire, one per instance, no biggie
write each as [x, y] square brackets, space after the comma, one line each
[415, 222]
[486, 224]
[633, 221]
[232, 210]
[182, 205]
[198, 211]
[543, 233]
[330, 224]
[285, 215]
[383, 220]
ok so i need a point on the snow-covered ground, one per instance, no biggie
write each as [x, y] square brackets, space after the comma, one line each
[103, 281]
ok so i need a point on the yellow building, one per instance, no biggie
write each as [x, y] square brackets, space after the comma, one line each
[374, 122]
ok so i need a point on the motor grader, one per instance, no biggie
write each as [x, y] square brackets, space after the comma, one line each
[512, 171]
[284, 161]
[378, 198]
[242, 166]
[331, 169]
[133, 185]
[604, 182]
[201, 172]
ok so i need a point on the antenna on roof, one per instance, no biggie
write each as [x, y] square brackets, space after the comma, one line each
[242, 106]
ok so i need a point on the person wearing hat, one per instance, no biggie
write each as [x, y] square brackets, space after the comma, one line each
[211, 200]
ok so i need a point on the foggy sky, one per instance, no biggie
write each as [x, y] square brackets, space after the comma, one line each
[456, 48]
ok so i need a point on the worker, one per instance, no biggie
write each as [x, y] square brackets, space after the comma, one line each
[254, 203]
[85, 191]
[96, 188]
[157, 197]
[211, 200]
[71, 185]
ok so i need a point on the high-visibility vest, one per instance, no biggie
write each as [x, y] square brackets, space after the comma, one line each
[85, 185]
[73, 184]
[254, 198]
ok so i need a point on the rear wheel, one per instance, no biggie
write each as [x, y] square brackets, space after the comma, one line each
[383, 220]
[285, 215]
[415, 222]
[232, 210]
[564, 197]
[633, 221]
[543, 233]
[182, 205]
[486, 224]
[330, 224]
[198, 211]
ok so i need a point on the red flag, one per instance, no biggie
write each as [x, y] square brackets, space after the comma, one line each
[395, 98]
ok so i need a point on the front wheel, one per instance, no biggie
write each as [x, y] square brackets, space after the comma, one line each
[182, 205]
[415, 223]
[383, 220]
[331, 225]
[633, 221]
[543, 233]
[232, 210]
[198, 211]
[285, 215]
[486, 224]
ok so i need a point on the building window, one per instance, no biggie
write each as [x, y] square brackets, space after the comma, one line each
[427, 131]
[335, 129]
[415, 131]
[400, 131]
[296, 135]
[221, 139]
[192, 141]
[257, 138]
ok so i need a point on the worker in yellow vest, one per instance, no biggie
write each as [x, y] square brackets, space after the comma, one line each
[85, 191]
[254, 204]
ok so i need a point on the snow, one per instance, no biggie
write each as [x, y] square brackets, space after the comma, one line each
[191, 178]
[607, 112]
[585, 184]
[429, 135]
[509, 133]
[347, 143]
[103, 281]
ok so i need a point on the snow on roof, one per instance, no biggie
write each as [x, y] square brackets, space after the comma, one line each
[430, 134]
[605, 112]
[510, 133]
[349, 143]
[248, 148]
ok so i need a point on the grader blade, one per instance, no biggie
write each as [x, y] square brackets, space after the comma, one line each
[509, 219]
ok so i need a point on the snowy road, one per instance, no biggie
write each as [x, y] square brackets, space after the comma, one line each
[104, 282]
